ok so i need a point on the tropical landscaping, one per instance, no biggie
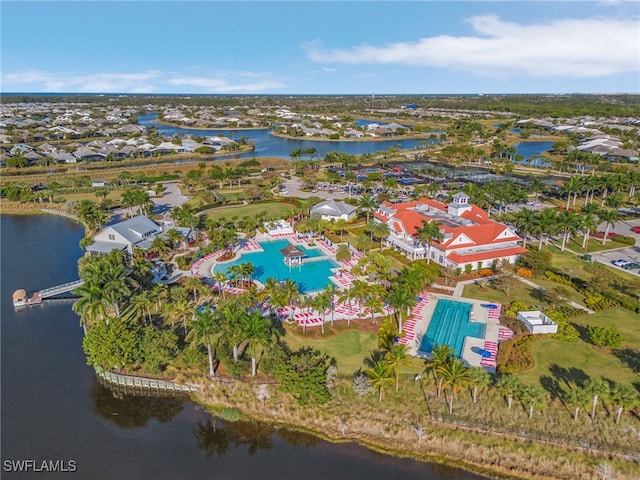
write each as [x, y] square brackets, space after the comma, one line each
[572, 397]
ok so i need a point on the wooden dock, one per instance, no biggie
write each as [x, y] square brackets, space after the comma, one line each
[37, 297]
[129, 384]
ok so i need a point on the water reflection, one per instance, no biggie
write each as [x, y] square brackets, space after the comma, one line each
[219, 439]
[127, 410]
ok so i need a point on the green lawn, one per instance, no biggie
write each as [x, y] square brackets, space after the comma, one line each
[593, 244]
[628, 323]
[520, 292]
[580, 360]
[273, 209]
[350, 349]
[558, 360]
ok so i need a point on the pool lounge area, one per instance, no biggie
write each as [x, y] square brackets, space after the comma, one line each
[468, 326]
[312, 274]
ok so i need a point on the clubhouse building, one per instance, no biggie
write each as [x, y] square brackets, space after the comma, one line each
[470, 237]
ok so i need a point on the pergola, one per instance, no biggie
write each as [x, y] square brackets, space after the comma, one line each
[292, 255]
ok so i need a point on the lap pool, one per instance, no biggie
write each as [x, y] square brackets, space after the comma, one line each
[450, 324]
[310, 276]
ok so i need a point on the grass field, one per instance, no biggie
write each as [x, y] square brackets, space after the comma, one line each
[574, 362]
[273, 209]
[350, 349]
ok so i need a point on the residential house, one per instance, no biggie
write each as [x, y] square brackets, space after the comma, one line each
[131, 234]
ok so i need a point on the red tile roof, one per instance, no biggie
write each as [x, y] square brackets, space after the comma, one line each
[476, 257]
[484, 231]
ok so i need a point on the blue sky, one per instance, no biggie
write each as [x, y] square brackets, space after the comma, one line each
[329, 47]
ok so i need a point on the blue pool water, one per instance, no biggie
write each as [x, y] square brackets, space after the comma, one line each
[450, 324]
[310, 277]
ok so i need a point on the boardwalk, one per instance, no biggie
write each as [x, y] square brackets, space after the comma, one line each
[58, 289]
[142, 383]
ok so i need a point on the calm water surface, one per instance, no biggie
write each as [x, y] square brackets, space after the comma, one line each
[53, 408]
[268, 145]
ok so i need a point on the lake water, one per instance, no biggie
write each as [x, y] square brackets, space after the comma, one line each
[54, 409]
[531, 151]
[268, 145]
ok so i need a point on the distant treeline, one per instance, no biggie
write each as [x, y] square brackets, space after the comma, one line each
[540, 105]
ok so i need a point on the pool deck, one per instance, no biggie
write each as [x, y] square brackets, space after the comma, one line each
[478, 314]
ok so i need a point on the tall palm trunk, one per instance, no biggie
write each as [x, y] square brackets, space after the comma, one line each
[211, 371]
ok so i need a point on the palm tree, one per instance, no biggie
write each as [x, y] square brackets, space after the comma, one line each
[532, 397]
[258, 332]
[524, 219]
[396, 357]
[401, 299]
[380, 375]
[117, 285]
[141, 305]
[196, 286]
[610, 218]
[321, 302]
[589, 222]
[577, 398]
[427, 233]
[220, 278]
[92, 304]
[509, 386]
[567, 222]
[341, 225]
[478, 378]
[232, 313]
[544, 225]
[441, 354]
[343, 253]
[159, 245]
[368, 204]
[455, 375]
[571, 187]
[174, 237]
[205, 330]
[177, 312]
[373, 301]
[290, 293]
[623, 396]
[380, 230]
[597, 388]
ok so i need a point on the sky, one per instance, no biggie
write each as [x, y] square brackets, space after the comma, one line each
[328, 47]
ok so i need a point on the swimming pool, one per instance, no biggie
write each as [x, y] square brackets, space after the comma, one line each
[310, 276]
[450, 324]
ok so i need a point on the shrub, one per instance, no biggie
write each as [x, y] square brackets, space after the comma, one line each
[468, 268]
[515, 307]
[515, 355]
[361, 384]
[524, 272]
[597, 301]
[607, 337]
[554, 277]
[566, 331]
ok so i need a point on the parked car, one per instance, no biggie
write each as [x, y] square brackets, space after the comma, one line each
[631, 265]
[620, 262]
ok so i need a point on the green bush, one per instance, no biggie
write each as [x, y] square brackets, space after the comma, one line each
[558, 278]
[566, 331]
[515, 355]
[597, 301]
[608, 337]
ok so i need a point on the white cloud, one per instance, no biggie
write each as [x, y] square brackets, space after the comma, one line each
[152, 81]
[571, 47]
[220, 84]
[328, 69]
[33, 80]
